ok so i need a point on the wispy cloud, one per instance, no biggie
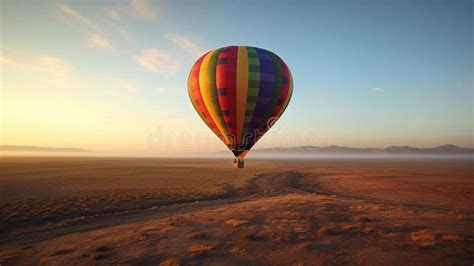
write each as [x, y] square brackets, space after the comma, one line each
[98, 34]
[113, 13]
[74, 14]
[143, 9]
[377, 89]
[135, 8]
[125, 86]
[185, 43]
[125, 34]
[58, 70]
[8, 61]
[156, 61]
[98, 41]
[86, 26]
[53, 69]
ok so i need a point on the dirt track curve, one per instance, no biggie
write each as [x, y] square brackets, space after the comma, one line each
[263, 185]
[279, 218]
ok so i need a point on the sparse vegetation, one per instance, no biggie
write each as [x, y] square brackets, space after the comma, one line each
[103, 248]
[327, 212]
[74, 188]
[236, 222]
[200, 249]
[63, 251]
[199, 235]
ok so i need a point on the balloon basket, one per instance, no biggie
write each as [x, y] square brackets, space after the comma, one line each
[238, 163]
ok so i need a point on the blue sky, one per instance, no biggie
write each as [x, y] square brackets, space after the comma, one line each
[111, 75]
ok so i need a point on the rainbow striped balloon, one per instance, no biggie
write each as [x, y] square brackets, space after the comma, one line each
[240, 92]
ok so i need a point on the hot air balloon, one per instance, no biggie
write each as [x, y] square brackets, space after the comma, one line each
[240, 92]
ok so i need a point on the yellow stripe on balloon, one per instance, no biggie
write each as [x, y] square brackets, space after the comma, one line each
[207, 84]
[242, 89]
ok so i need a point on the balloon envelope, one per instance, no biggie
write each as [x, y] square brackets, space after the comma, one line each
[240, 92]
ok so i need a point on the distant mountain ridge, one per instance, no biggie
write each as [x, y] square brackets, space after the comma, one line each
[39, 149]
[334, 149]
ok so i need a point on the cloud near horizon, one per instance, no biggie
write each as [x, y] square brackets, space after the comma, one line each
[54, 69]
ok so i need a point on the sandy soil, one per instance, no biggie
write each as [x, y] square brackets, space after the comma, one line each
[204, 212]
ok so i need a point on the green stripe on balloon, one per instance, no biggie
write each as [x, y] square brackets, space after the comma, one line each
[253, 87]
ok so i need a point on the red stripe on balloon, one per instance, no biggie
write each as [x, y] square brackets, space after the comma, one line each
[226, 81]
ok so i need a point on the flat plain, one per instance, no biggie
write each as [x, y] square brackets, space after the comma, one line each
[63, 211]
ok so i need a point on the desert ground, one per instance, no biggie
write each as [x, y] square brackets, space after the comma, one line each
[82, 211]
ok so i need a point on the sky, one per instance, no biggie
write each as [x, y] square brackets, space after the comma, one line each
[110, 76]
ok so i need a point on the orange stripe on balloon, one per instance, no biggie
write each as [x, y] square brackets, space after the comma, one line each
[195, 95]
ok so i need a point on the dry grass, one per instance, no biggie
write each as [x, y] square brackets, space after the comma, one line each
[423, 236]
[348, 227]
[327, 230]
[198, 235]
[100, 256]
[298, 212]
[51, 189]
[200, 249]
[103, 248]
[451, 237]
[252, 236]
[170, 262]
[236, 222]
[63, 251]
